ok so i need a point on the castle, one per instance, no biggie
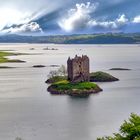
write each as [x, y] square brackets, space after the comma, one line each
[78, 69]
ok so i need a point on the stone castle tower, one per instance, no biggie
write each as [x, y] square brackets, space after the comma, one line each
[78, 69]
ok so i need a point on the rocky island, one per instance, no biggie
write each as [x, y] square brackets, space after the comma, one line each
[79, 81]
[100, 76]
[80, 89]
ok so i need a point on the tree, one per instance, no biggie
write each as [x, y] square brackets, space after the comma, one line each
[129, 130]
[60, 72]
[53, 73]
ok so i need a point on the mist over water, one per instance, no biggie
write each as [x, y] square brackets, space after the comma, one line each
[28, 111]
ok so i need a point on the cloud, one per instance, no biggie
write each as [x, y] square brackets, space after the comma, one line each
[114, 24]
[136, 19]
[122, 19]
[61, 16]
[21, 11]
[80, 18]
[32, 27]
[11, 16]
[77, 18]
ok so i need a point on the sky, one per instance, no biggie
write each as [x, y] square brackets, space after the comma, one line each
[50, 17]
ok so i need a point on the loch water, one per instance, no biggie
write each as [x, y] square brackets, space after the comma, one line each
[28, 111]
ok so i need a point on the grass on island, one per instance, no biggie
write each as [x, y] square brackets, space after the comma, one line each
[66, 85]
[3, 56]
[81, 89]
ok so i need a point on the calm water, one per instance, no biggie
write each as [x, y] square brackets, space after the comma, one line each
[28, 111]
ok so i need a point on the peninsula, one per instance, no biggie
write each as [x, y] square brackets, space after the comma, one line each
[4, 59]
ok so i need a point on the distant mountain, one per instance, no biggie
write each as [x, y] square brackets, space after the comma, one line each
[118, 38]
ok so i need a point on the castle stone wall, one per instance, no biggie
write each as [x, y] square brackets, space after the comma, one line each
[78, 69]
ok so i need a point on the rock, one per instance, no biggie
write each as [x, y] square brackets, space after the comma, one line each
[83, 89]
[119, 69]
[50, 48]
[84, 93]
[102, 77]
[46, 48]
[32, 48]
[54, 49]
[54, 66]
[39, 66]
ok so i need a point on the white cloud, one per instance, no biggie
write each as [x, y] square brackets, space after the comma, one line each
[103, 24]
[114, 24]
[77, 18]
[11, 16]
[137, 19]
[20, 11]
[25, 28]
[122, 19]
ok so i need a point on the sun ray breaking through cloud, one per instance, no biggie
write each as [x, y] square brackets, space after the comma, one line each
[18, 16]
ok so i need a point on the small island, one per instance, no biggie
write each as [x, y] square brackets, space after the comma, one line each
[38, 66]
[79, 81]
[80, 89]
[102, 77]
[53, 49]
[121, 69]
[98, 76]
